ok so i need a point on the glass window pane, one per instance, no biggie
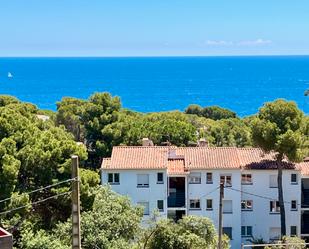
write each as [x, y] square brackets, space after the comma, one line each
[293, 178]
[160, 204]
[195, 177]
[243, 230]
[227, 206]
[209, 178]
[142, 179]
[160, 177]
[116, 177]
[249, 231]
[273, 181]
[145, 205]
[228, 231]
[110, 177]
[209, 204]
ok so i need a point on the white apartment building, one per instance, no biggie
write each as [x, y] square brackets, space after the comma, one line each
[185, 181]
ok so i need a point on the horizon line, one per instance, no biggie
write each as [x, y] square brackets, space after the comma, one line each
[155, 56]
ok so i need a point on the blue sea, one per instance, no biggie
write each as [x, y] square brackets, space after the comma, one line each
[151, 84]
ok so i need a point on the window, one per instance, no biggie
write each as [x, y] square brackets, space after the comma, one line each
[143, 180]
[246, 205]
[228, 232]
[294, 205]
[273, 181]
[293, 178]
[246, 179]
[293, 231]
[274, 233]
[195, 204]
[160, 178]
[195, 178]
[145, 205]
[209, 204]
[209, 178]
[226, 180]
[113, 178]
[227, 206]
[246, 231]
[274, 207]
[160, 205]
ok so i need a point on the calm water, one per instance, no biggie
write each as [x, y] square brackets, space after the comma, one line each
[158, 84]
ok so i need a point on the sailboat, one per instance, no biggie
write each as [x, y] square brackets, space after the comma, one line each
[10, 75]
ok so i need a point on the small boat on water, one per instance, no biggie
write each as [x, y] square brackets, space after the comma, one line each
[307, 92]
[10, 75]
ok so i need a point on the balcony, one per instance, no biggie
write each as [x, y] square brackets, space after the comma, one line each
[177, 199]
[305, 222]
[176, 192]
[305, 193]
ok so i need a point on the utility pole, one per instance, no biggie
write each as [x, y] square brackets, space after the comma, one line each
[76, 239]
[220, 215]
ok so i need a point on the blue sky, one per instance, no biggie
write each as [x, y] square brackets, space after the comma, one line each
[153, 27]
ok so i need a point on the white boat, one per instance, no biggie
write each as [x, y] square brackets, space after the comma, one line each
[10, 75]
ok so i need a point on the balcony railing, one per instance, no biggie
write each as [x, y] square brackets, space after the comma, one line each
[177, 199]
[305, 198]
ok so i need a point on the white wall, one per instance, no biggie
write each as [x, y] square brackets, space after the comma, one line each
[200, 191]
[260, 218]
[128, 187]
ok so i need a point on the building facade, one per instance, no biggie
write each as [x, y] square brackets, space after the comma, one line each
[185, 181]
[6, 239]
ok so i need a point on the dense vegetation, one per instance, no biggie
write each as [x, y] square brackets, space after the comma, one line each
[35, 153]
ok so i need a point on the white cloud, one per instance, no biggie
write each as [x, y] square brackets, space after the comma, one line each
[257, 42]
[219, 43]
[254, 42]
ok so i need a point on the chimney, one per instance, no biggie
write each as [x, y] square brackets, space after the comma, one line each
[202, 142]
[147, 142]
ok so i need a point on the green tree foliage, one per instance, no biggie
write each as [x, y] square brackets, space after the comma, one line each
[170, 127]
[278, 128]
[225, 132]
[191, 232]
[34, 154]
[88, 121]
[296, 243]
[6, 100]
[211, 112]
[112, 222]
[69, 113]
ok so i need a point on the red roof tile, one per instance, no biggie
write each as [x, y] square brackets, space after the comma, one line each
[181, 159]
[304, 168]
[136, 157]
[176, 167]
[210, 157]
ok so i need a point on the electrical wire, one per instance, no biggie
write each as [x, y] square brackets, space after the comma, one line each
[210, 192]
[259, 196]
[34, 203]
[43, 188]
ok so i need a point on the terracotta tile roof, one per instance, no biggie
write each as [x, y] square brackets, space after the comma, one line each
[106, 163]
[137, 157]
[210, 157]
[182, 159]
[176, 167]
[304, 168]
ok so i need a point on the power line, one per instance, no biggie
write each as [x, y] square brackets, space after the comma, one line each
[210, 192]
[43, 188]
[260, 196]
[34, 203]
